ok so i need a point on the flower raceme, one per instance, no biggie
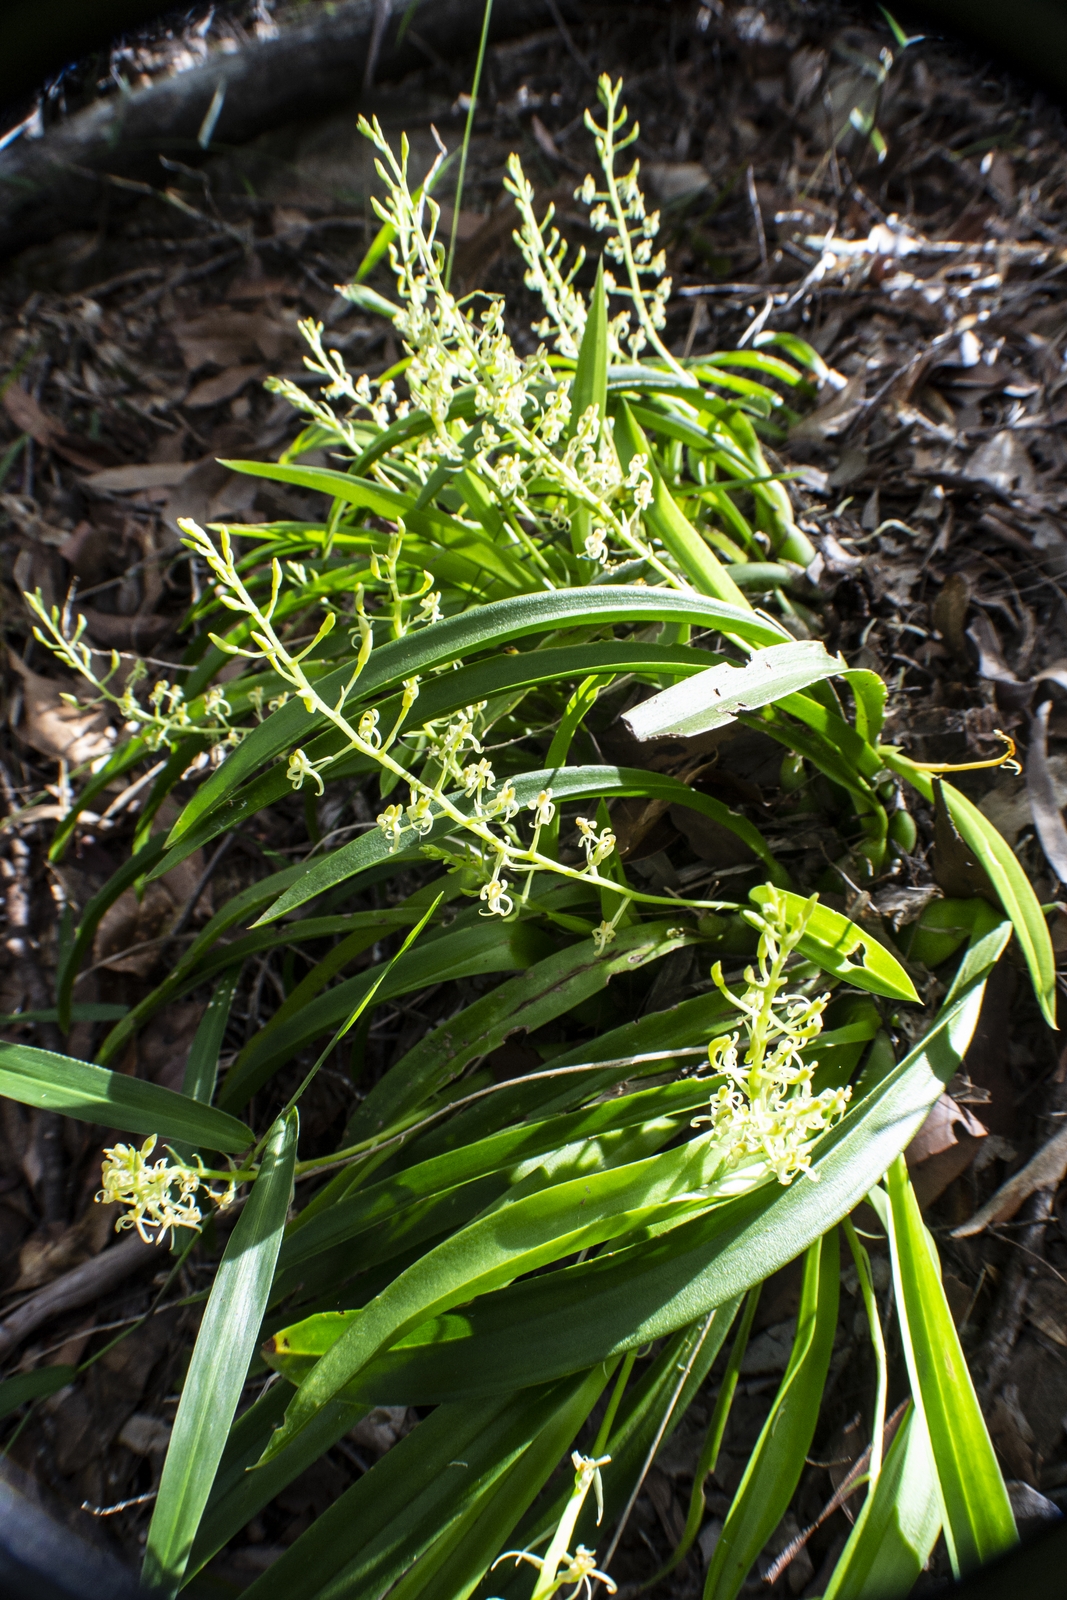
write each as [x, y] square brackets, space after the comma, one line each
[160, 1195]
[765, 1111]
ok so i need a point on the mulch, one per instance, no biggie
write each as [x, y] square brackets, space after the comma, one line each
[903, 209]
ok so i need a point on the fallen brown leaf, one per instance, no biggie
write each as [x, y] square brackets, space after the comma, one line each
[944, 1146]
[139, 634]
[212, 391]
[836, 413]
[75, 734]
[227, 338]
[29, 415]
[1044, 801]
[56, 1248]
[141, 475]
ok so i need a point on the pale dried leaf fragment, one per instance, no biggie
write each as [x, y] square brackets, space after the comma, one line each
[1045, 1170]
[1004, 463]
[836, 413]
[1043, 795]
[29, 415]
[140, 475]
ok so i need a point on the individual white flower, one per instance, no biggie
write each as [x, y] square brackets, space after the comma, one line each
[478, 776]
[367, 730]
[498, 901]
[543, 808]
[602, 937]
[504, 804]
[300, 768]
[596, 545]
[420, 815]
[391, 822]
[597, 847]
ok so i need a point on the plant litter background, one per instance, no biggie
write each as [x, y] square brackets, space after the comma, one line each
[927, 484]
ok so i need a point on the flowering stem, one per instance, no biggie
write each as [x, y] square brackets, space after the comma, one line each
[467, 139]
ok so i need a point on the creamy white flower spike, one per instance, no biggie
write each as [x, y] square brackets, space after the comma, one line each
[159, 1195]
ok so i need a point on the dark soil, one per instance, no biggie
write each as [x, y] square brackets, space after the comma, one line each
[926, 262]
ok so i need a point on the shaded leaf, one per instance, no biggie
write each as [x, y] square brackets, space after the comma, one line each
[219, 1365]
[93, 1094]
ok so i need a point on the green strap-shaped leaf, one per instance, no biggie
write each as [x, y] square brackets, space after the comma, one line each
[114, 1100]
[978, 1519]
[665, 518]
[202, 1064]
[895, 1533]
[35, 1385]
[431, 1482]
[590, 385]
[508, 1242]
[427, 522]
[219, 1365]
[460, 953]
[776, 1462]
[837, 945]
[1013, 887]
[547, 990]
[484, 680]
[453, 1568]
[584, 1313]
[505, 1157]
[455, 638]
[238, 1495]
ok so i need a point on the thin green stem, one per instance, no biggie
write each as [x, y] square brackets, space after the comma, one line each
[468, 130]
[874, 1322]
[608, 1420]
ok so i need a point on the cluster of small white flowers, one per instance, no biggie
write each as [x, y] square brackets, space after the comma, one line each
[766, 1109]
[159, 1195]
[165, 719]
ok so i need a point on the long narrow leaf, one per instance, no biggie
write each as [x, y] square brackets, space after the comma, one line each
[897, 1528]
[219, 1366]
[584, 1313]
[1013, 887]
[776, 1462]
[455, 638]
[715, 697]
[114, 1100]
[977, 1512]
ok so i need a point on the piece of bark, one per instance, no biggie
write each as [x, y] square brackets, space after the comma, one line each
[47, 184]
[77, 1288]
[1044, 1171]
